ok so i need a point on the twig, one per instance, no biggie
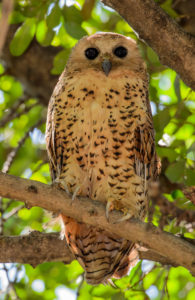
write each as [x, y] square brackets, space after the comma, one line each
[13, 113]
[10, 115]
[12, 154]
[164, 289]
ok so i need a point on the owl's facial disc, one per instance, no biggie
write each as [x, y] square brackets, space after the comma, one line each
[106, 66]
[106, 54]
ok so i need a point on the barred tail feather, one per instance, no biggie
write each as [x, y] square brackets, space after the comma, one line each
[103, 255]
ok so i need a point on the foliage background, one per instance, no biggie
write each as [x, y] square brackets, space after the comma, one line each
[60, 24]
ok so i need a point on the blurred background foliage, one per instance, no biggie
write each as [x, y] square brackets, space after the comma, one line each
[60, 24]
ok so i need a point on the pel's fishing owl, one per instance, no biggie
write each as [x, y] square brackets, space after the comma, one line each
[100, 142]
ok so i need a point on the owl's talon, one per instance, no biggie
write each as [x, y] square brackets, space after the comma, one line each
[111, 283]
[57, 182]
[109, 207]
[75, 193]
[124, 218]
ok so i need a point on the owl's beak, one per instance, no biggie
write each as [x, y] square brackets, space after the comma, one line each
[106, 66]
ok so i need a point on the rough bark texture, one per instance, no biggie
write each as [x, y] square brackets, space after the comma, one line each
[34, 193]
[45, 247]
[175, 48]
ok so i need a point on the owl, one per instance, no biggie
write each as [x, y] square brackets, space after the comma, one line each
[100, 143]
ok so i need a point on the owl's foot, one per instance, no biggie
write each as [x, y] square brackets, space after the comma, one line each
[60, 184]
[109, 207]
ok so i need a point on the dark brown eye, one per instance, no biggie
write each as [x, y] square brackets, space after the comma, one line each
[120, 52]
[91, 53]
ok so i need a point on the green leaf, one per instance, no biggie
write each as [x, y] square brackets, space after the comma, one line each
[175, 171]
[151, 277]
[44, 35]
[16, 17]
[73, 20]
[60, 61]
[118, 296]
[190, 177]
[191, 119]
[185, 132]
[152, 56]
[75, 30]
[72, 14]
[1, 69]
[53, 18]
[103, 291]
[161, 119]
[167, 152]
[23, 37]
[167, 6]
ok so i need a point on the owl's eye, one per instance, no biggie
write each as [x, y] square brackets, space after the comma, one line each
[120, 52]
[91, 53]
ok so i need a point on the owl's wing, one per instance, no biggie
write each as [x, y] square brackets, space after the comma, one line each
[51, 139]
[146, 162]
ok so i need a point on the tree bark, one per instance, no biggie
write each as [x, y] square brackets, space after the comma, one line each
[175, 48]
[37, 248]
[34, 193]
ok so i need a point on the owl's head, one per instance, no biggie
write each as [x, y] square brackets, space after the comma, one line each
[106, 52]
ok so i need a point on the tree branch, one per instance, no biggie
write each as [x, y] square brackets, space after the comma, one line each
[175, 48]
[7, 7]
[34, 193]
[45, 247]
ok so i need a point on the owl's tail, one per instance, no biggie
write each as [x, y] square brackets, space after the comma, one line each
[103, 255]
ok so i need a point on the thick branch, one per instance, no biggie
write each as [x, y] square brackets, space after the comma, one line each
[34, 193]
[40, 248]
[175, 48]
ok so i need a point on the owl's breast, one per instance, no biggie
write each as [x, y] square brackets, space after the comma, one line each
[99, 118]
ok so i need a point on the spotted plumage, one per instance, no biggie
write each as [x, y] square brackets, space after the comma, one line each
[100, 142]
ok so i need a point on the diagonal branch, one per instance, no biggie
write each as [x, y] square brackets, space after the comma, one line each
[175, 48]
[34, 193]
